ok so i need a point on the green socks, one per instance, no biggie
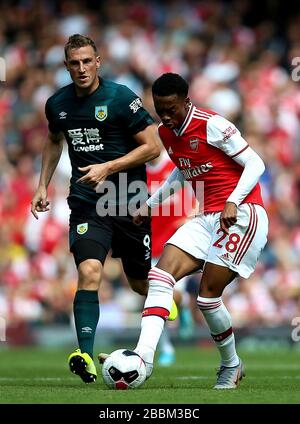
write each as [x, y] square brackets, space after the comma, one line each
[86, 314]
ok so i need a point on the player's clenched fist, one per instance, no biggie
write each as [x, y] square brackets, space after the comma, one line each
[228, 216]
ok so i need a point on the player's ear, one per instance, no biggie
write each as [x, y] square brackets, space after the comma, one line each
[98, 62]
[66, 65]
[187, 103]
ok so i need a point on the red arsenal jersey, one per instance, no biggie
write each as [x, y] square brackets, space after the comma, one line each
[204, 149]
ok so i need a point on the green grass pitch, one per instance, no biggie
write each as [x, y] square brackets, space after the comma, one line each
[36, 376]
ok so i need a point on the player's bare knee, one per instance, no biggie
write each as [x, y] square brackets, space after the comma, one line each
[89, 275]
[208, 289]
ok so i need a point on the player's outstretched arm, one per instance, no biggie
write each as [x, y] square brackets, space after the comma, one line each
[173, 183]
[50, 157]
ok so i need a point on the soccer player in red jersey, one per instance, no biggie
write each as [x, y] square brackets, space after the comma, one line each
[166, 219]
[224, 240]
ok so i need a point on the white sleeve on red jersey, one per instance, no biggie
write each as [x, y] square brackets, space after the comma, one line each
[224, 135]
[173, 183]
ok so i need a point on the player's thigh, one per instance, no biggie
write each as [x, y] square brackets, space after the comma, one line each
[240, 250]
[89, 238]
[132, 244]
[178, 263]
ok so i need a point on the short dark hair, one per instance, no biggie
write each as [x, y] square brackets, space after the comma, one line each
[76, 41]
[170, 83]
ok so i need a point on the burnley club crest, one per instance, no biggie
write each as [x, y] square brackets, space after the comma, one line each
[101, 113]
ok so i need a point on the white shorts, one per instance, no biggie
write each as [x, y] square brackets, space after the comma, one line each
[203, 238]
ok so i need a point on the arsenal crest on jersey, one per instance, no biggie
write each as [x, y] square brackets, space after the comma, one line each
[101, 112]
[194, 143]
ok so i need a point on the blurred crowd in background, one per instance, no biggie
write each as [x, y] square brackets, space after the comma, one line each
[237, 57]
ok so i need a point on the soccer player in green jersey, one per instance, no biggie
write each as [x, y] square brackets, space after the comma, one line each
[108, 132]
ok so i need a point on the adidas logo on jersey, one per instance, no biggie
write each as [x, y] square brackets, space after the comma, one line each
[170, 151]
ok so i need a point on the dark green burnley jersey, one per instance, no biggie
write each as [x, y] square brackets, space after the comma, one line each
[98, 128]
